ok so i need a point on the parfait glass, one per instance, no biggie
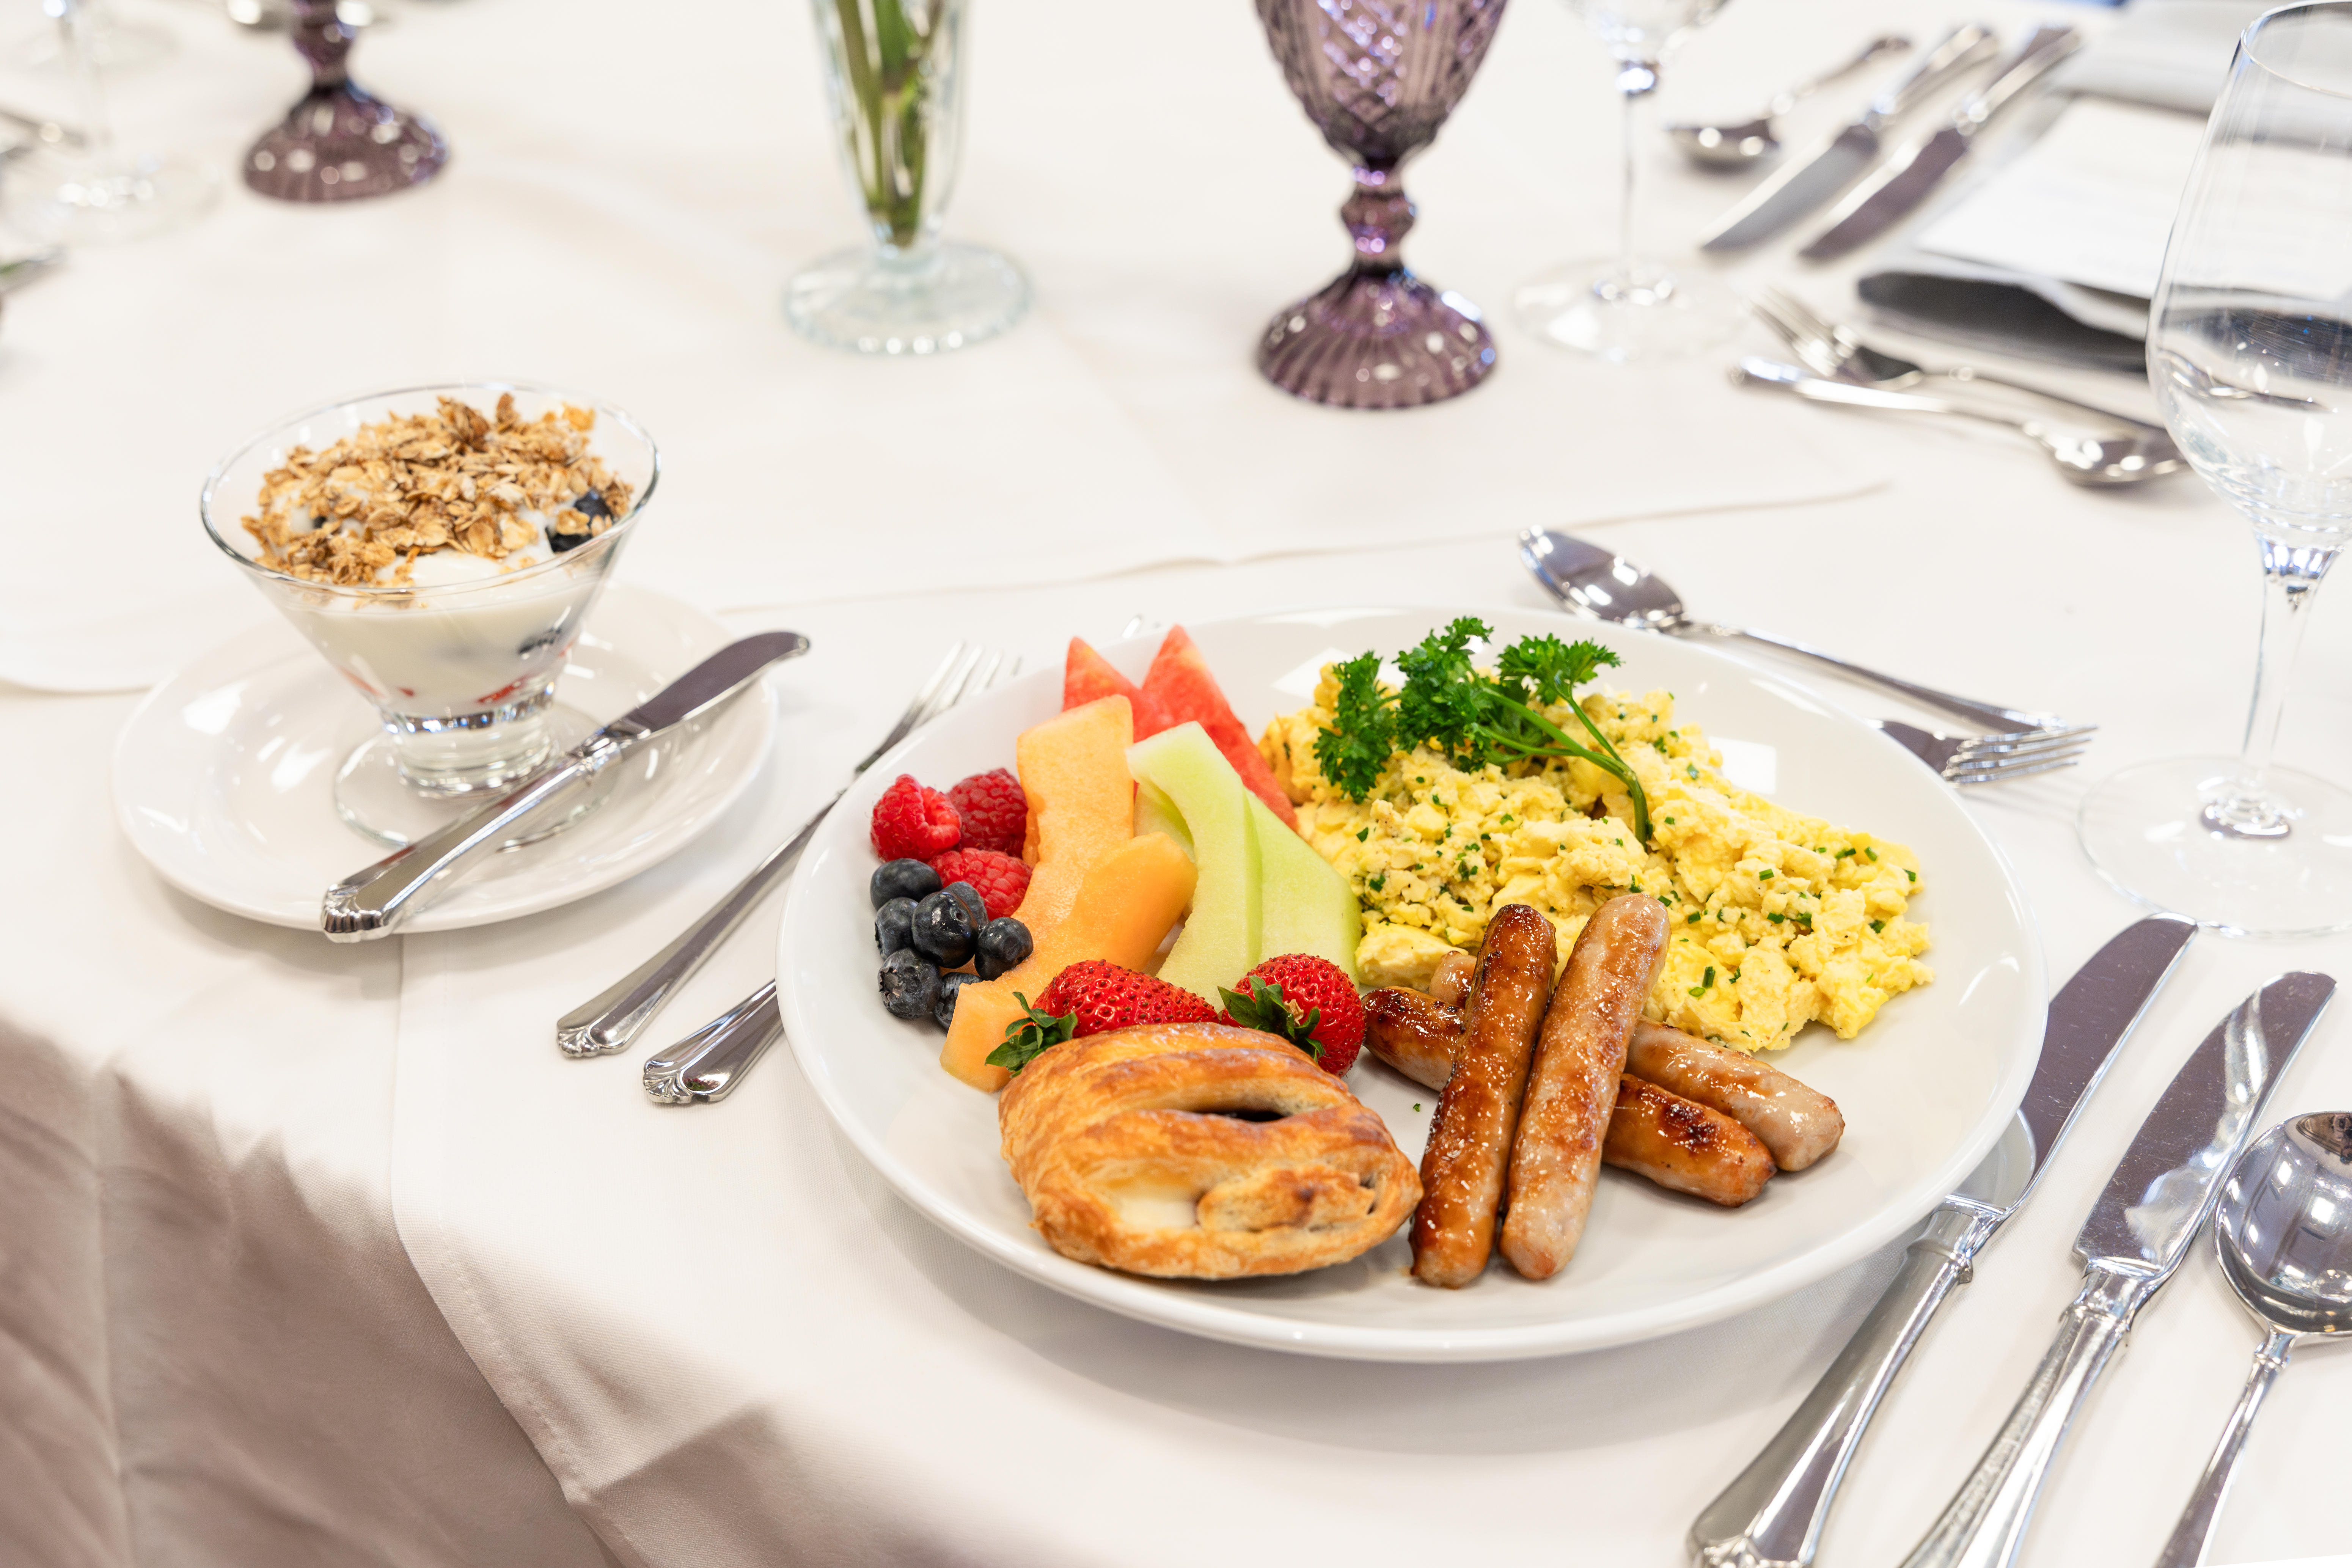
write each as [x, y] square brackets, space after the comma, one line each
[1625, 307]
[340, 143]
[461, 674]
[2249, 353]
[1378, 78]
[894, 79]
[89, 191]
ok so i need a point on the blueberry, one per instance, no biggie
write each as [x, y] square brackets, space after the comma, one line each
[894, 926]
[943, 928]
[910, 988]
[558, 542]
[1002, 944]
[968, 897]
[901, 880]
[591, 504]
[949, 985]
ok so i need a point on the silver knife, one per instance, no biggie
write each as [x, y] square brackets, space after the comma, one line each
[376, 902]
[1904, 180]
[1806, 180]
[1773, 1515]
[2139, 1232]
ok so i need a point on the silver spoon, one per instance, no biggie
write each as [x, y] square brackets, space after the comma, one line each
[2283, 1229]
[1734, 146]
[2095, 461]
[1593, 582]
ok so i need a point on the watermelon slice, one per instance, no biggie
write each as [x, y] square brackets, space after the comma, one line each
[1180, 680]
[1087, 674]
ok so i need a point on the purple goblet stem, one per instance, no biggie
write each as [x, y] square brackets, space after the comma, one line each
[340, 143]
[1378, 216]
[322, 40]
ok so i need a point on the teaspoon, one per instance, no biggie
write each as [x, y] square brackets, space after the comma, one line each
[2095, 461]
[2283, 1230]
[1734, 146]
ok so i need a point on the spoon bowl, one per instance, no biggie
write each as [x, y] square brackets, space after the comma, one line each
[1752, 140]
[2284, 1231]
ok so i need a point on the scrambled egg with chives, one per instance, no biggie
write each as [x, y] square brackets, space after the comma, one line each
[1777, 919]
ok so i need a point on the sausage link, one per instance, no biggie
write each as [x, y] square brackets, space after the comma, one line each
[1413, 1033]
[1683, 1145]
[1449, 983]
[1573, 1085]
[1470, 1142]
[1797, 1123]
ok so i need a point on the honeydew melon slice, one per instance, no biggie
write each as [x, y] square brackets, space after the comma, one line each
[1305, 905]
[1155, 812]
[1221, 936]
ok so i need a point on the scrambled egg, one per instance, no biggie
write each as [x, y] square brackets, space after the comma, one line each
[1777, 919]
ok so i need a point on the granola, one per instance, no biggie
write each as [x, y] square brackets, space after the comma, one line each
[363, 511]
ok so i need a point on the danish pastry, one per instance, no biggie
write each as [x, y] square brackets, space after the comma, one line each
[1201, 1152]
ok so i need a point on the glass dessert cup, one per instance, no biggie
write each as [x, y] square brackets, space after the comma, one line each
[893, 72]
[340, 143]
[1378, 78]
[460, 669]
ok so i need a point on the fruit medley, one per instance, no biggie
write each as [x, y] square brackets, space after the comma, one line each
[1019, 911]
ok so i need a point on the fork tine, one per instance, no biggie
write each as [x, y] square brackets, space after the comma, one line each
[952, 692]
[2007, 767]
[1967, 776]
[1766, 308]
[2028, 743]
[1805, 316]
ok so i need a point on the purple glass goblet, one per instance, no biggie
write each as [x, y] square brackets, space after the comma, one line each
[1378, 78]
[340, 143]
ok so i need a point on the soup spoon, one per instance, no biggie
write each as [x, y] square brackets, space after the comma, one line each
[1734, 146]
[2283, 1229]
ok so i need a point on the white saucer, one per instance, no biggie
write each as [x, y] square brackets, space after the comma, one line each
[224, 776]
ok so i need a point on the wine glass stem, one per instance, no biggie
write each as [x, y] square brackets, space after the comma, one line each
[2290, 577]
[1636, 79]
[74, 25]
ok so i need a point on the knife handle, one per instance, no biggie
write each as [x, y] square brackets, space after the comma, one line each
[2039, 55]
[1985, 1522]
[1773, 1514]
[376, 902]
[1964, 48]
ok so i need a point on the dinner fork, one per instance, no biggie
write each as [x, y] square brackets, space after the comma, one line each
[1829, 349]
[616, 1016]
[1992, 759]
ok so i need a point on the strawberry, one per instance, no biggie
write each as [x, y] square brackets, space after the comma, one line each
[1308, 1001]
[996, 812]
[1093, 996]
[911, 823]
[1001, 881]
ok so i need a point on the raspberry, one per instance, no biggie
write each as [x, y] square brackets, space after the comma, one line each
[1000, 879]
[994, 810]
[911, 823]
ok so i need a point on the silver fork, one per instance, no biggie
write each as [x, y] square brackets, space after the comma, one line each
[615, 1017]
[1991, 759]
[1829, 349]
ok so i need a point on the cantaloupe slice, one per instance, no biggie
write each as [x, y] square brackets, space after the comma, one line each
[1304, 906]
[1220, 941]
[1081, 802]
[1179, 677]
[1122, 911]
[1087, 675]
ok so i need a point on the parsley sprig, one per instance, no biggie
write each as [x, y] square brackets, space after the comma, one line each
[1474, 717]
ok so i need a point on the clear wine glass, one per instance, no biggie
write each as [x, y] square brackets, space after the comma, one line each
[1625, 307]
[2249, 352]
[894, 78]
[93, 193]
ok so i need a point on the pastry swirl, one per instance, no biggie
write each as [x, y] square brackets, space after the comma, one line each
[1201, 1152]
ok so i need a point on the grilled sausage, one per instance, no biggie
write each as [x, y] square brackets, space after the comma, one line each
[1413, 1033]
[1572, 1087]
[1683, 1145]
[1449, 983]
[1470, 1142]
[1797, 1124]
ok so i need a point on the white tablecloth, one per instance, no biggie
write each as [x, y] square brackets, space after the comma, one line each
[323, 1255]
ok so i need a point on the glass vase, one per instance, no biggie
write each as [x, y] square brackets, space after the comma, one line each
[894, 81]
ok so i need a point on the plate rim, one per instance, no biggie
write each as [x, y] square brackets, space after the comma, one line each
[761, 715]
[1147, 1302]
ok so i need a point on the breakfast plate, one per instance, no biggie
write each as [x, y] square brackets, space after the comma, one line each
[223, 775]
[1927, 1089]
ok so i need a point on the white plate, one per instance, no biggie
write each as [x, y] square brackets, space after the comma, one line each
[1927, 1088]
[222, 777]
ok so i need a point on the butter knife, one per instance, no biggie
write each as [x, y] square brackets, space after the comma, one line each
[1904, 181]
[2139, 1229]
[1773, 1514]
[378, 900]
[1808, 179]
